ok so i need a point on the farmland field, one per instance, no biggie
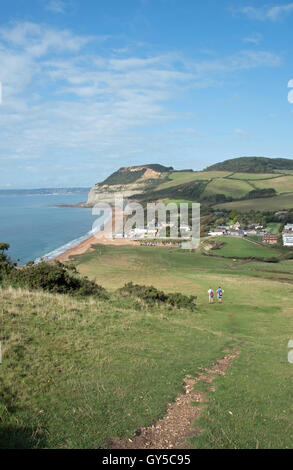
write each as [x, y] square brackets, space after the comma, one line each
[283, 201]
[237, 186]
[274, 228]
[283, 184]
[177, 201]
[242, 248]
[232, 188]
[252, 176]
[185, 177]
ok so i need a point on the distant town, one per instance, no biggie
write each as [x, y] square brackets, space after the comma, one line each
[271, 234]
[255, 230]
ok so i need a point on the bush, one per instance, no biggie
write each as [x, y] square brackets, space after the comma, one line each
[288, 255]
[153, 296]
[217, 245]
[54, 277]
[6, 264]
[258, 193]
[272, 259]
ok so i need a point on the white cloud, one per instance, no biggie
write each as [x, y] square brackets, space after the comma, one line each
[266, 13]
[254, 38]
[241, 132]
[275, 13]
[56, 6]
[37, 40]
[64, 104]
[243, 60]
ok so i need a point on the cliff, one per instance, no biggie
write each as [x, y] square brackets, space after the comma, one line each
[128, 181]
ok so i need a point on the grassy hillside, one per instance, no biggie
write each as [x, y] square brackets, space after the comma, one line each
[242, 248]
[283, 201]
[128, 175]
[253, 176]
[222, 187]
[236, 179]
[229, 188]
[282, 184]
[166, 269]
[217, 186]
[253, 165]
[180, 177]
[77, 372]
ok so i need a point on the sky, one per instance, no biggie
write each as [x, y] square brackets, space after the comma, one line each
[89, 86]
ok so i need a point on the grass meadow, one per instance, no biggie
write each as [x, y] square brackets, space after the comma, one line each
[237, 186]
[77, 372]
[280, 202]
[232, 188]
[181, 177]
[243, 248]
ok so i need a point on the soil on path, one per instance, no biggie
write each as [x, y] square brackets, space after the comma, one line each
[177, 425]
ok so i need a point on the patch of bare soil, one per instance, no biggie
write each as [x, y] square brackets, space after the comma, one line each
[177, 425]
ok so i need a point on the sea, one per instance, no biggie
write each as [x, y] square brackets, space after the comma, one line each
[36, 225]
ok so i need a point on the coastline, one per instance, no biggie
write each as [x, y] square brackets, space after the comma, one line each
[88, 244]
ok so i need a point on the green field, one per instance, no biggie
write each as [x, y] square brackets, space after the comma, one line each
[242, 248]
[283, 201]
[181, 177]
[230, 188]
[252, 176]
[274, 228]
[284, 184]
[235, 186]
[78, 372]
[285, 172]
[177, 201]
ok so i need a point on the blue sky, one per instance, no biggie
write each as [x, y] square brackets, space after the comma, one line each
[89, 86]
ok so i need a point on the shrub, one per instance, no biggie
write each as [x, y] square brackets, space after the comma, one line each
[272, 259]
[258, 193]
[288, 255]
[217, 245]
[54, 277]
[6, 264]
[153, 296]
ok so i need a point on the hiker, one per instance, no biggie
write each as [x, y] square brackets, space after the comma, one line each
[211, 295]
[220, 294]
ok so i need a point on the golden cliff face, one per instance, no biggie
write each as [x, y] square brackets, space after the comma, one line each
[106, 193]
[127, 181]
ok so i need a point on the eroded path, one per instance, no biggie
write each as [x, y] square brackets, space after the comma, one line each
[177, 425]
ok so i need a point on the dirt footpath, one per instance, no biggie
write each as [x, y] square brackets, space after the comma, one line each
[178, 424]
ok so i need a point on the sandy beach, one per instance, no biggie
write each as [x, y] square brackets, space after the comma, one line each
[88, 244]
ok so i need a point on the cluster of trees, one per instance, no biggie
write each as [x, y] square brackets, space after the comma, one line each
[228, 218]
[253, 165]
[260, 218]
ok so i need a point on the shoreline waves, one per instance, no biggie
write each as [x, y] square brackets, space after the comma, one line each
[84, 244]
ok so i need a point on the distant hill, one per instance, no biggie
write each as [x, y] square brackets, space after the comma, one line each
[239, 182]
[42, 191]
[253, 165]
[131, 174]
